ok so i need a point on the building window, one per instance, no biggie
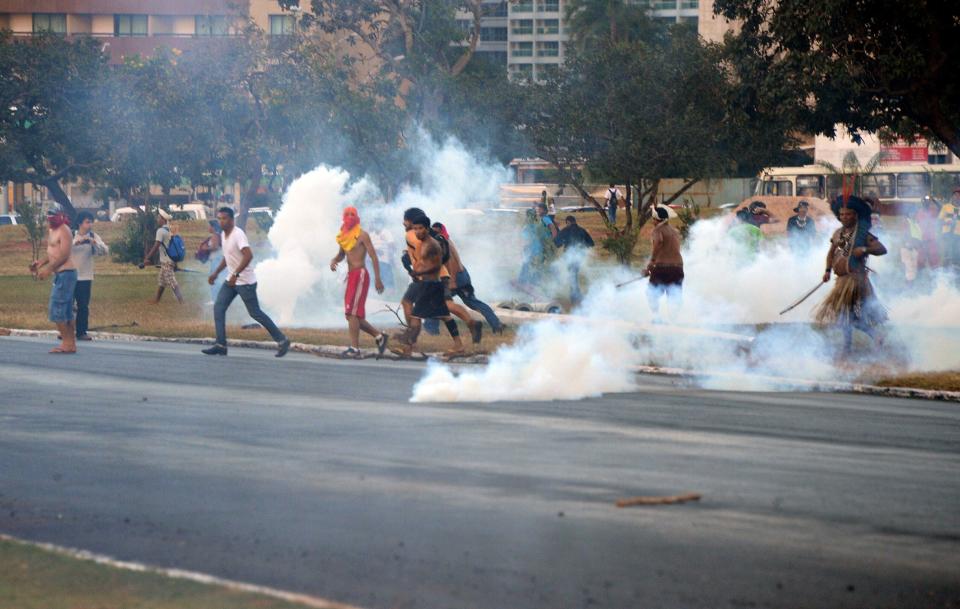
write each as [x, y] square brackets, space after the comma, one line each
[689, 4]
[548, 6]
[519, 27]
[129, 25]
[523, 6]
[548, 26]
[522, 49]
[495, 10]
[664, 5]
[938, 159]
[212, 25]
[493, 34]
[282, 25]
[548, 49]
[498, 58]
[47, 22]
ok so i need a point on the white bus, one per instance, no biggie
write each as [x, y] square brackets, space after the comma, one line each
[895, 185]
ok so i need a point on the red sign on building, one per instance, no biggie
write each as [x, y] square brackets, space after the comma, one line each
[902, 152]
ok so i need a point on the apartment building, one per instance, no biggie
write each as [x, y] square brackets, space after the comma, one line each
[138, 27]
[530, 37]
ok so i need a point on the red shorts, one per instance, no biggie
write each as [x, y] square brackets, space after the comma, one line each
[355, 300]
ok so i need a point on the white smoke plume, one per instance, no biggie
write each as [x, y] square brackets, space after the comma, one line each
[298, 285]
[725, 289]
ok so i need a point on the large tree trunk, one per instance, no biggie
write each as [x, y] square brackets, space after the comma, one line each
[58, 194]
[246, 199]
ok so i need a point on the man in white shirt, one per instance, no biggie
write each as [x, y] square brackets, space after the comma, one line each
[241, 281]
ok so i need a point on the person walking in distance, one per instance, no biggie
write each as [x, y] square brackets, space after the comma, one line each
[86, 245]
[210, 252]
[571, 238]
[241, 281]
[167, 277]
[354, 245]
[613, 201]
[801, 229]
[665, 268]
[59, 263]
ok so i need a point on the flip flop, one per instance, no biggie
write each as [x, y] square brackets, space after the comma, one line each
[59, 351]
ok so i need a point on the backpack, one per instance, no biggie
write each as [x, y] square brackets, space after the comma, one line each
[176, 250]
[613, 196]
[444, 245]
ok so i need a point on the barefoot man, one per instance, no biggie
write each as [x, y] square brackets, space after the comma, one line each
[354, 245]
[431, 302]
[59, 263]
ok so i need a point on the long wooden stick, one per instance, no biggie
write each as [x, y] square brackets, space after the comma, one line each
[805, 296]
[663, 500]
[640, 278]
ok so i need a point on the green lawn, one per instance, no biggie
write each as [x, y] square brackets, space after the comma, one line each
[33, 578]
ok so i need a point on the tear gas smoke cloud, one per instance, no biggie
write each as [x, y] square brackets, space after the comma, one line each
[724, 286]
[597, 350]
[296, 281]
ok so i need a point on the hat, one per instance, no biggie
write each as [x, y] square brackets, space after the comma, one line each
[662, 213]
[757, 204]
[858, 205]
[803, 204]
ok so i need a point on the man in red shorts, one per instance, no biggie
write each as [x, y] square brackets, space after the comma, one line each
[354, 245]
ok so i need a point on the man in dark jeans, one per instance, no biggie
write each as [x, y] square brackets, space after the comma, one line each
[241, 281]
[574, 236]
[86, 245]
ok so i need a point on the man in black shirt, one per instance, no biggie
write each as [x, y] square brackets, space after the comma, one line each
[574, 236]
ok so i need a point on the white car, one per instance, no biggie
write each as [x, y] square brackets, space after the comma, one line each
[9, 219]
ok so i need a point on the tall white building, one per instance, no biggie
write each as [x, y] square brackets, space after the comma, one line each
[530, 36]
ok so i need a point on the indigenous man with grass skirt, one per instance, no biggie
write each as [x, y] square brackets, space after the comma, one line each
[853, 302]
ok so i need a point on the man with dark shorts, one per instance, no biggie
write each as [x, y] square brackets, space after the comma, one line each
[354, 245]
[426, 296]
[59, 263]
[665, 268]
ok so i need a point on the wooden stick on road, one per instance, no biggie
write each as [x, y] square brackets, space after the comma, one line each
[661, 500]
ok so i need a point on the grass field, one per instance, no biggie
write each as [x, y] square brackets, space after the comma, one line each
[33, 578]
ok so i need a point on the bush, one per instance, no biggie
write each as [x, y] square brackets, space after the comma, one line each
[138, 233]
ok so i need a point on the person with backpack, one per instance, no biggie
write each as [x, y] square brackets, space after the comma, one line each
[613, 201]
[171, 249]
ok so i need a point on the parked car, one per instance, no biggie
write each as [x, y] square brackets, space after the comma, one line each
[8, 219]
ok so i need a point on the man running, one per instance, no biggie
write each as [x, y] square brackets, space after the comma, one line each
[241, 281]
[166, 278]
[354, 245]
[461, 285]
[59, 263]
[432, 301]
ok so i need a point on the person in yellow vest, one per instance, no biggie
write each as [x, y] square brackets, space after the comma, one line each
[950, 230]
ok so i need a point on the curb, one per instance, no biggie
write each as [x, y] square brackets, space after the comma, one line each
[327, 351]
[822, 386]
[333, 352]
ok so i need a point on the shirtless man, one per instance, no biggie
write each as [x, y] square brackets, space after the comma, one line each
[60, 264]
[431, 300]
[354, 245]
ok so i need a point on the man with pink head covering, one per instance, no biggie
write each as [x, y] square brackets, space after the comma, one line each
[59, 263]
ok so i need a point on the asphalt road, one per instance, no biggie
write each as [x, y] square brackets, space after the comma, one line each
[317, 476]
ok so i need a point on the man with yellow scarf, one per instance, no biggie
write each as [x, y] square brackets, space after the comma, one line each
[354, 245]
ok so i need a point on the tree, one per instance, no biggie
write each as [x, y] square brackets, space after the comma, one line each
[51, 127]
[865, 65]
[639, 111]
